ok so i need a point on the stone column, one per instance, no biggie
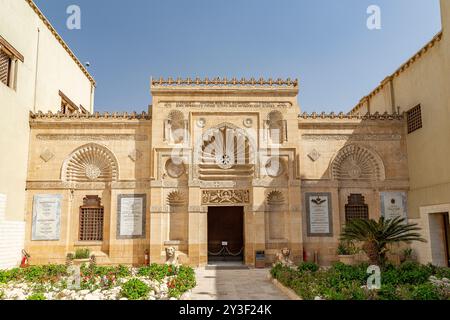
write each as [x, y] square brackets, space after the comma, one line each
[254, 233]
[156, 239]
[197, 229]
[295, 226]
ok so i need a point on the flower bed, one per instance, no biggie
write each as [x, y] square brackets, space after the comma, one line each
[409, 281]
[51, 282]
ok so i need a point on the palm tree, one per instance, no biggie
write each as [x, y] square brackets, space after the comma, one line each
[376, 236]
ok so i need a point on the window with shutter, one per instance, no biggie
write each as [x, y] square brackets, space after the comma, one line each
[9, 57]
[5, 67]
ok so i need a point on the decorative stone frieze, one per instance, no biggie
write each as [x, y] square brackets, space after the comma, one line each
[225, 196]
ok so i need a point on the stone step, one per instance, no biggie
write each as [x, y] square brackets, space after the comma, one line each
[226, 267]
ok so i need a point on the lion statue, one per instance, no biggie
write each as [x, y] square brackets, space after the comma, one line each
[172, 257]
[283, 257]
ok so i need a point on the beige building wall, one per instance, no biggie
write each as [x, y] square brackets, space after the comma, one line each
[48, 67]
[424, 80]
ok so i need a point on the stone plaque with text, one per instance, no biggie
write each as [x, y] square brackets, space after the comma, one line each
[46, 217]
[319, 214]
[393, 204]
[131, 211]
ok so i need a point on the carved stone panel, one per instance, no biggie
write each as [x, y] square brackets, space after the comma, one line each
[225, 197]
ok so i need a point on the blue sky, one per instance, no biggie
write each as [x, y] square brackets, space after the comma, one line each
[324, 43]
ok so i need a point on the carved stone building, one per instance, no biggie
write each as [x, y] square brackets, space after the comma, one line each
[213, 161]
[223, 168]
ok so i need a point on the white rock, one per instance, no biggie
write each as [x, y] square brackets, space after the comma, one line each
[92, 296]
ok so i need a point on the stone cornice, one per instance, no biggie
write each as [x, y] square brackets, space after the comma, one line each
[348, 116]
[125, 119]
[217, 86]
[60, 185]
[390, 184]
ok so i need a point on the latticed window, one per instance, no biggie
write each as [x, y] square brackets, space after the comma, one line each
[5, 67]
[356, 208]
[9, 58]
[414, 118]
[91, 219]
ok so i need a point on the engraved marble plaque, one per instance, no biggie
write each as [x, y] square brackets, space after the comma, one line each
[393, 204]
[46, 217]
[319, 214]
[131, 216]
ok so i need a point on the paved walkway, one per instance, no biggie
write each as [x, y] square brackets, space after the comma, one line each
[235, 285]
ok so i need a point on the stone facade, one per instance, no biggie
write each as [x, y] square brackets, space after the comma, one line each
[42, 71]
[126, 184]
[164, 155]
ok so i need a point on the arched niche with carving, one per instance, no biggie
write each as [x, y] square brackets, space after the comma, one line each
[275, 198]
[176, 199]
[355, 162]
[90, 163]
[276, 127]
[175, 127]
[228, 148]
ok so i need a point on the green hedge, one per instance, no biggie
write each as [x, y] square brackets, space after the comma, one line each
[409, 281]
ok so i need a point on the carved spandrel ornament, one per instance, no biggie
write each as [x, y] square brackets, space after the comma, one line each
[47, 155]
[225, 197]
[314, 155]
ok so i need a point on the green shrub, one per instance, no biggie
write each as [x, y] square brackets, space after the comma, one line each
[134, 289]
[10, 275]
[37, 296]
[442, 273]
[2, 294]
[425, 291]
[82, 253]
[184, 281]
[122, 271]
[157, 272]
[308, 266]
[34, 273]
[388, 292]
[409, 281]
[346, 248]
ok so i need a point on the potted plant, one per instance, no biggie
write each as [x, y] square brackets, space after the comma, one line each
[377, 235]
[82, 256]
[346, 252]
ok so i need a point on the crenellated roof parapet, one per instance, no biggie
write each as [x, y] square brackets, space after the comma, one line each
[351, 116]
[224, 82]
[90, 116]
